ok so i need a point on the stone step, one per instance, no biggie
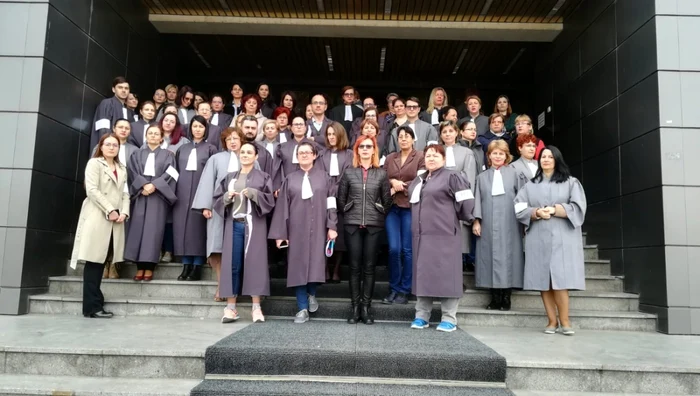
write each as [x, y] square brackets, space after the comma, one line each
[278, 287]
[24, 384]
[338, 386]
[338, 309]
[165, 271]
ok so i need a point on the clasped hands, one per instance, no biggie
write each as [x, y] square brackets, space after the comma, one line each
[148, 189]
[545, 213]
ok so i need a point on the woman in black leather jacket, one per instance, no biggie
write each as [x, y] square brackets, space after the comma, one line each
[364, 197]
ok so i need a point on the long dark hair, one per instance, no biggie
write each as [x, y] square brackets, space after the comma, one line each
[200, 119]
[176, 134]
[561, 169]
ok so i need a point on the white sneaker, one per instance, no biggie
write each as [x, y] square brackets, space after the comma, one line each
[302, 316]
[313, 304]
[167, 257]
[230, 315]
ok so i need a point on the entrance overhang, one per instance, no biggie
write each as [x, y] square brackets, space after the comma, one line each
[356, 28]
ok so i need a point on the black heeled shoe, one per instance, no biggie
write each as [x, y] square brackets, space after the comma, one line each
[100, 315]
[355, 315]
[186, 269]
[196, 273]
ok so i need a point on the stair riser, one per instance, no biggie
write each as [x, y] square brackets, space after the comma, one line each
[526, 301]
[98, 365]
[597, 269]
[612, 285]
[590, 253]
[340, 311]
[538, 321]
[608, 381]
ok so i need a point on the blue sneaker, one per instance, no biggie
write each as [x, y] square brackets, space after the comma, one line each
[447, 327]
[419, 324]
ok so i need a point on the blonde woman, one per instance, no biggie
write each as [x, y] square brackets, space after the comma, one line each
[436, 101]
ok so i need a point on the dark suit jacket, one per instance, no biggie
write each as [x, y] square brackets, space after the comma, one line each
[338, 114]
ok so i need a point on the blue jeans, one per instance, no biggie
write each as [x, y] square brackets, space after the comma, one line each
[237, 256]
[398, 232]
[168, 236]
[302, 294]
[472, 248]
[194, 260]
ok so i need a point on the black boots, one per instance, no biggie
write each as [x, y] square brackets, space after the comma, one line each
[195, 274]
[354, 315]
[505, 299]
[186, 269]
[366, 314]
[496, 299]
[354, 295]
[500, 300]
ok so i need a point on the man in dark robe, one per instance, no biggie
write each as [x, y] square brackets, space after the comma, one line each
[317, 125]
[250, 130]
[110, 110]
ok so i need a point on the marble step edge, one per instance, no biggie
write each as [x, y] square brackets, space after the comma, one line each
[573, 294]
[78, 278]
[354, 380]
[338, 301]
[116, 351]
[34, 384]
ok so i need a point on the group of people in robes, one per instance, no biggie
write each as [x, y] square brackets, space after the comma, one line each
[231, 185]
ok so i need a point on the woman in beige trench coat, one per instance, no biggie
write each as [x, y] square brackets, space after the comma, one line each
[100, 229]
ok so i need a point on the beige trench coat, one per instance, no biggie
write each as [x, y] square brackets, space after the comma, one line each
[105, 193]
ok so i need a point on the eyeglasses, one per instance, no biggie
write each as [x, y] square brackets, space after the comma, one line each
[411, 107]
[233, 139]
[298, 124]
[365, 146]
[112, 145]
[318, 103]
[305, 152]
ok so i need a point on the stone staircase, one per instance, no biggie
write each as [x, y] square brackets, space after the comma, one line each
[603, 306]
[152, 311]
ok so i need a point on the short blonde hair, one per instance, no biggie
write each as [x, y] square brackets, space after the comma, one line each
[525, 117]
[499, 144]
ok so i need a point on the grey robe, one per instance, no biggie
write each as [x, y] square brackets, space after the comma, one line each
[214, 172]
[344, 162]
[481, 121]
[149, 213]
[445, 199]
[520, 165]
[305, 223]
[465, 163]
[256, 276]
[425, 134]
[499, 249]
[107, 113]
[189, 226]
[174, 147]
[554, 247]
[185, 116]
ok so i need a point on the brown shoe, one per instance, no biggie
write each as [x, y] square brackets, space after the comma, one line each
[105, 273]
[113, 274]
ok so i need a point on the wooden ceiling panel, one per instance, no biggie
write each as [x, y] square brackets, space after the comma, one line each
[534, 11]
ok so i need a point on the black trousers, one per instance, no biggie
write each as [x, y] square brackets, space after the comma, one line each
[363, 246]
[144, 266]
[93, 299]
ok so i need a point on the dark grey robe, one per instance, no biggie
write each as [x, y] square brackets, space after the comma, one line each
[305, 223]
[149, 213]
[189, 226]
[319, 135]
[554, 247]
[445, 199]
[185, 116]
[256, 276]
[338, 114]
[221, 119]
[344, 162]
[107, 113]
[138, 133]
[284, 164]
[214, 136]
[499, 249]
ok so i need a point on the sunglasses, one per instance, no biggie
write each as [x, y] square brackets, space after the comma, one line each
[366, 146]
